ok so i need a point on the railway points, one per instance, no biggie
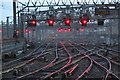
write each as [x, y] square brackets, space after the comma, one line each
[60, 40]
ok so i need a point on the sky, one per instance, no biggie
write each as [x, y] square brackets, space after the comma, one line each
[6, 8]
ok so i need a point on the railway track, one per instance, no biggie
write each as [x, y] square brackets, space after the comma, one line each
[64, 68]
[56, 65]
[19, 59]
[107, 68]
[72, 61]
[49, 67]
[68, 62]
[34, 55]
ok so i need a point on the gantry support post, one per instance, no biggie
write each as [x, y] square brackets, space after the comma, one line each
[14, 14]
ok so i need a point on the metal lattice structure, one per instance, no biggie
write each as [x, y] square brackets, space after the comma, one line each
[53, 7]
[47, 3]
[59, 9]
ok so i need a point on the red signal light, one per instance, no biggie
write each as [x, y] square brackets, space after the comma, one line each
[17, 31]
[33, 22]
[51, 22]
[65, 30]
[84, 22]
[26, 30]
[69, 29]
[60, 30]
[0, 30]
[82, 30]
[67, 22]
[29, 31]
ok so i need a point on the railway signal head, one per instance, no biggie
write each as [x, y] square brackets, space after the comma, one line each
[101, 22]
[65, 30]
[69, 29]
[31, 23]
[50, 22]
[67, 22]
[82, 30]
[26, 30]
[34, 22]
[0, 30]
[60, 30]
[84, 22]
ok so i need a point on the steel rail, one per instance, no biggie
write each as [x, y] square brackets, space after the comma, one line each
[28, 61]
[89, 67]
[48, 65]
[69, 60]
[107, 70]
[65, 67]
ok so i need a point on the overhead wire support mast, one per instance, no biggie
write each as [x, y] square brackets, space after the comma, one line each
[14, 14]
